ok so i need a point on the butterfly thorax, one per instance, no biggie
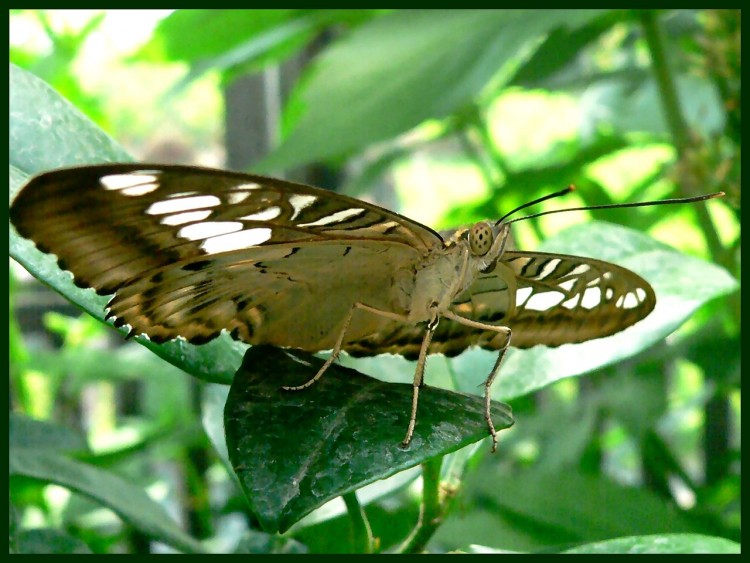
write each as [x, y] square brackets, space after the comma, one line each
[451, 269]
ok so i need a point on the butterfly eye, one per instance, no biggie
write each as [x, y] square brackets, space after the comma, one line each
[480, 239]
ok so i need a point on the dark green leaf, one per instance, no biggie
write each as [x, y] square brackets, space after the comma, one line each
[294, 451]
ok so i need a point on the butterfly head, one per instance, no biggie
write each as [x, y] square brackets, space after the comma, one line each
[487, 243]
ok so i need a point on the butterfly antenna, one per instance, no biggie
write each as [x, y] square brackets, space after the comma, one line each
[566, 191]
[613, 205]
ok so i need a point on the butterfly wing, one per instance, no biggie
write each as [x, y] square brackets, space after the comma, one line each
[190, 251]
[549, 299]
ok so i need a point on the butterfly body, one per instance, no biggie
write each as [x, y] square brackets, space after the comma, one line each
[190, 252]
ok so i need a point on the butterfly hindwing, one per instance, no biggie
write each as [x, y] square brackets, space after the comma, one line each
[284, 295]
[549, 299]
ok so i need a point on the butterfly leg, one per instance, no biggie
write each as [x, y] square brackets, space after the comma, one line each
[419, 380]
[340, 342]
[495, 369]
[488, 385]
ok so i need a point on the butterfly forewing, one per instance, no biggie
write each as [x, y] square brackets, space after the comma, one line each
[191, 251]
[549, 299]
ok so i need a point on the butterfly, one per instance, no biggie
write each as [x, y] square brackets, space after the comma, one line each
[190, 252]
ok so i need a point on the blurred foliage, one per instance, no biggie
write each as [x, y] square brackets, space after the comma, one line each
[55, 63]
[450, 117]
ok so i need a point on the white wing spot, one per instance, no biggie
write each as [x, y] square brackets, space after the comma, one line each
[236, 241]
[300, 202]
[187, 217]
[591, 298]
[544, 301]
[567, 285]
[630, 301]
[184, 204]
[522, 294]
[265, 215]
[609, 293]
[207, 229]
[595, 281]
[572, 303]
[548, 268]
[580, 269]
[238, 197]
[337, 217]
[247, 186]
[136, 191]
[640, 293]
[387, 225]
[125, 181]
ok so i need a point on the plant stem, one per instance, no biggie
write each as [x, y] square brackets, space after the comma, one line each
[691, 177]
[361, 531]
[432, 510]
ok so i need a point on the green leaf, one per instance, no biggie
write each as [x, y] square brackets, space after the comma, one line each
[633, 104]
[277, 40]
[233, 41]
[127, 500]
[682, 284]
[221, 31]
[396, 71]
[49, 541]
[213, 399]
[532, 510]
[256, 542]
[25, 432]
[669, 543]
[12, 528]
[294, 451]
[561, 50]
[47, 132]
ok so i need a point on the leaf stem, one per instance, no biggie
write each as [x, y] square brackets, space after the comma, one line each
[362, 540]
